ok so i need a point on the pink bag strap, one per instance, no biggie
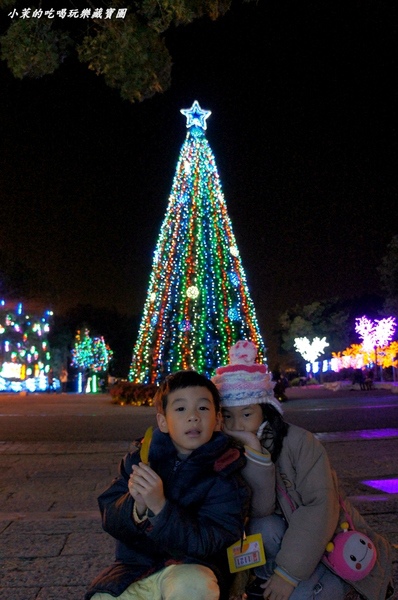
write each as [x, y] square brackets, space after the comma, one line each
[293, 506]
[286, 496]
[346, 515]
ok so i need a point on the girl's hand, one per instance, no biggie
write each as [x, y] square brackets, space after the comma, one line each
[245, 437]
[277, 588]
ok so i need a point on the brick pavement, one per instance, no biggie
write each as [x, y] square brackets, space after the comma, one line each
[51, 541]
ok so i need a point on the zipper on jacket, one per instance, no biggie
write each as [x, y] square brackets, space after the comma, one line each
[176, 465]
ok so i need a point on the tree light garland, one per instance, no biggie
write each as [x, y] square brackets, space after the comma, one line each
[198, 303]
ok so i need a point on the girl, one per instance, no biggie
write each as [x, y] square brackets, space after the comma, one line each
[296, 503]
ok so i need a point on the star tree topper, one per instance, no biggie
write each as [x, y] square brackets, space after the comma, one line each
[196, 116]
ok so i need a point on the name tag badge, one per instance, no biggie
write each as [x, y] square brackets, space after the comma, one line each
[246, 554]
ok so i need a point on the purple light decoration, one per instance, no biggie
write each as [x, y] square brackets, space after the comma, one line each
[376, 434]
[390, 486]
[361, 434]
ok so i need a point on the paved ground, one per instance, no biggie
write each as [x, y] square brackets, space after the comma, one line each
[51, 542]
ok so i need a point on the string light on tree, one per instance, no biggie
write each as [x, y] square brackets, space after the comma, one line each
[198, 303]
[310, 351]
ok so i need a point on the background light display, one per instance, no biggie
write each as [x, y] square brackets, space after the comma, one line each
[24, 351]
[198, 303]
[374, 349]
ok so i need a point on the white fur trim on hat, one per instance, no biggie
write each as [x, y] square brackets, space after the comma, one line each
[244, 381]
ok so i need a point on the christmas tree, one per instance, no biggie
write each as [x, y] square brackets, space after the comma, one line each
[91, 356]
[91, 353]
[198, 303]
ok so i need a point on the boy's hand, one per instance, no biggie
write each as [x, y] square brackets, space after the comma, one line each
[146, 487]
[139, 501]
[277, 588]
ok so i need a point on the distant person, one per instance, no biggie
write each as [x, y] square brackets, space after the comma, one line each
[296, 505]
[50, 380]
[359, 379]
[63, 377]
[369, 377]
[174, 516]
[111, 381]
[102, 385]
[303, 380]
[276, 374]
[280, 389]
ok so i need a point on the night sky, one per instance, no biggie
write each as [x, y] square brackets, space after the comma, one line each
[303, 128]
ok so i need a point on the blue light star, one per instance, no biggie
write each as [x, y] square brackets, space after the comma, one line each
[196, 116]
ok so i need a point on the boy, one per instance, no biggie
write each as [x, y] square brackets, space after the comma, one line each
[174, 517]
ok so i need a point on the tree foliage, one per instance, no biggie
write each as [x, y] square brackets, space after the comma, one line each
[318, 319]
[131, 53]
[131, 57]
[32, 48]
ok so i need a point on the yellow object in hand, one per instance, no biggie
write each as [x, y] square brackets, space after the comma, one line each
[146, 442]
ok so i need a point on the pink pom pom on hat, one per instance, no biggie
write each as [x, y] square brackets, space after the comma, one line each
[244, 381]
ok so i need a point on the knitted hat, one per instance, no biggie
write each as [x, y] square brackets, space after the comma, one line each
[244, 381]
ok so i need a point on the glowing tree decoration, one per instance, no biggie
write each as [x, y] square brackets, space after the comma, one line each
[375, 333]
[389, 356]
[310, 351]
[375, 336]
[198, 302]
[354, 357]
[91, 353]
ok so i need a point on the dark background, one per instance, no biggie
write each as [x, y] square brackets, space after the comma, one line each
[303, 127]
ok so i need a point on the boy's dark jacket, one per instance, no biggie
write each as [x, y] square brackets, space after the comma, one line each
[207, 502]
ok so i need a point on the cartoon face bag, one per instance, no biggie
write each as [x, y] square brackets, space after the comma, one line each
[351, 554]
